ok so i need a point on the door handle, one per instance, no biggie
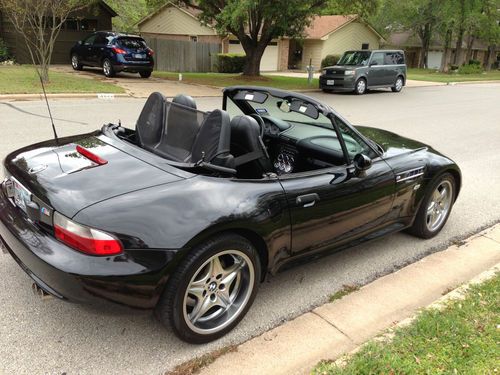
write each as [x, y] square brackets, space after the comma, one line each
[307, 200]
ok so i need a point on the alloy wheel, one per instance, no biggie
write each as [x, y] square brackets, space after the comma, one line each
[361, 86]
[74, 61]
[106, 67]
[399, 84]
[439, 205]
[218, 292]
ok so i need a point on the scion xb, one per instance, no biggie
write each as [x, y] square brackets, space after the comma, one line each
[359, 71]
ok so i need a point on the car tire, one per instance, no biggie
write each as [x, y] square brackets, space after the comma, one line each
[75, 62]
[360, 86]
[435, 207]
[211, 290]
[398, 85]
[145, 74]
[107, 68]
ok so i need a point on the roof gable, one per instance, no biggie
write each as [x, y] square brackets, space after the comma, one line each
[321, 26]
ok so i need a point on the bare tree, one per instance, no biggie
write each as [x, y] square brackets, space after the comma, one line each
[39, 23]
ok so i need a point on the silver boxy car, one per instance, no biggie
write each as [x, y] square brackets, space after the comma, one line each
[359, 71]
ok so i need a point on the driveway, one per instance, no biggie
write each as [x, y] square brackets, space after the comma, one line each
[140, 87]
[56, 337]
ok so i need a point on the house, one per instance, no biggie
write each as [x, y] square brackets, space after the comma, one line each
[78, 25]
[326, 35]
[412, 46]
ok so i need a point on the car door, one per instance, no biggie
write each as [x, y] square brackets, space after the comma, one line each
[98, 47]
[391, 61]
[335, 205]
[87, 50]
[376, 70]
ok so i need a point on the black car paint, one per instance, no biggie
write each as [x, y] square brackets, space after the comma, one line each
[162, 212]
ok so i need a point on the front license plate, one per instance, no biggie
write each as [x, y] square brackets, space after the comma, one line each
[21, 195]
[139, 56]
[330, 82]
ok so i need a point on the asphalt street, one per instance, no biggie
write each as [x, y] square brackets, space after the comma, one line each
[462, 121]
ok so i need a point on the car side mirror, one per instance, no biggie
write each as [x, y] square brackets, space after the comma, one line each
[362, 162]
[80, 42]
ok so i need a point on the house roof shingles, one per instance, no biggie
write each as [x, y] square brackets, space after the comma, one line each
[321, 26]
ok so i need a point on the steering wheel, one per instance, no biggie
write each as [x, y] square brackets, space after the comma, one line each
[260, 121]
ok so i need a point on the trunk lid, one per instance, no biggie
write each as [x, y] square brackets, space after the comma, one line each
[68, 181]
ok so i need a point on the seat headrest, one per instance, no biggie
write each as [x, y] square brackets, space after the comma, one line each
[245, 122]
[184, 100]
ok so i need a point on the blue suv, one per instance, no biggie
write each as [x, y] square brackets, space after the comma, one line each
[113, 52]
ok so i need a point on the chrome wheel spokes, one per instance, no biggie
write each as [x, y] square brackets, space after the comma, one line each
[439, 205]
[219, 291]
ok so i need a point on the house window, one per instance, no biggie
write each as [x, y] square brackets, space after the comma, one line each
[193, 38]
[73, 24]
[365, 46]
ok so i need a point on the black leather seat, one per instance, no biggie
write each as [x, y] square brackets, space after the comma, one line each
[149, 126]
[251, 158]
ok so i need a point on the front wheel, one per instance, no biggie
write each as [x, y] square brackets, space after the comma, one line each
[107, 68]
[146, 74]
[360, 87]
[435, 208]
[212, 289]
[398, 85]
[75, 62]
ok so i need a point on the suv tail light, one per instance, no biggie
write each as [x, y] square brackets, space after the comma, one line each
[119, 51]
[150, 52]
[85, 239]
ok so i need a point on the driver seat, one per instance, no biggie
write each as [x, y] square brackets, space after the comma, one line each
[250, 155]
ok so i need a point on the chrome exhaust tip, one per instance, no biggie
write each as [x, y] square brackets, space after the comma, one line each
[40, 292]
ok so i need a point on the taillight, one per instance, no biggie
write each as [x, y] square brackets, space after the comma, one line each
[91, 156]
[85, 239]
[119, 51]
[151, 52]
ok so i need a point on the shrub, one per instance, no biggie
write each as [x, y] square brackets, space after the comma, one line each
[4, 52]
[330, 60]
[474, 62]
[470, 69]
[230, 62]
[453, 67]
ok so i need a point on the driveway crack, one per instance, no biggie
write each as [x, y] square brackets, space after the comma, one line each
[334, 326]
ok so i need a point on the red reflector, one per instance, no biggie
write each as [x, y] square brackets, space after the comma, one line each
[119, 51]
[85, 239]
[89, 155]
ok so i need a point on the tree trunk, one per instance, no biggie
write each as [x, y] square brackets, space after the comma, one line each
[457, 60]
[425, 37]
[254, 56]
[470, 43]
[490, 58]
[446, 52]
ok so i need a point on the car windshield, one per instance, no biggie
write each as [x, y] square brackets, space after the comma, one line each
[132, 43]
[354, 58]
[290, 109]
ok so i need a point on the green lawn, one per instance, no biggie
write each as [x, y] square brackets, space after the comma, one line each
[24, 80]
[435, 76]
[464, 338]
[224, 80]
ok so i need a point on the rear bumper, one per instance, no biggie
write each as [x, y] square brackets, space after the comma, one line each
[135, 278]
[122, 65]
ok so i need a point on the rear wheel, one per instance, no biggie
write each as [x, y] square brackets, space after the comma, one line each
[435, 208]
[107, 68]
[212, 289]
[398, 85]
[75, 62]
[145, 74]
[360, 86]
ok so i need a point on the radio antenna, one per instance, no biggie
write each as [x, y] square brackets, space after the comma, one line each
[48, 108]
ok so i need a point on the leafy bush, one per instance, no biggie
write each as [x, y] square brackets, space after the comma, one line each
[470, 69]
[330, 60]
[474, 62]
[230, 62]
[453, 67]
[4, 52]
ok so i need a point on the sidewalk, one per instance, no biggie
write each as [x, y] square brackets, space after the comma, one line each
[337, 328]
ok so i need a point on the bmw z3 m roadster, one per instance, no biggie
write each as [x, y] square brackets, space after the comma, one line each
[187, 212]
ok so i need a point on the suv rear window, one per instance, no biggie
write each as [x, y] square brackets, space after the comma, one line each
[131, 43]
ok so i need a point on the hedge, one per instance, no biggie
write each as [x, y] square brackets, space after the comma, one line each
[4, 52]
[470, 69]
[230, 62]
[330, 60]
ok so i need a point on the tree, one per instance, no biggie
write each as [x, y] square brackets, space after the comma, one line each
[489, 29]
[363, 8]
[39, 23]
[419, 16]
[129, 13]
[256, 22]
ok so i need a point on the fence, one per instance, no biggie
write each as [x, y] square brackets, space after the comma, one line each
[181, 56]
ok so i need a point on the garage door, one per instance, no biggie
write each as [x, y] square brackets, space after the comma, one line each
[434, 59]
[269, 60]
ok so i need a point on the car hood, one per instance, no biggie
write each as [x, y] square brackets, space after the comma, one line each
[68, 181]
[392, 143]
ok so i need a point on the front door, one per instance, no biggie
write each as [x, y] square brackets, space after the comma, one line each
[377, 69]
[87, 50]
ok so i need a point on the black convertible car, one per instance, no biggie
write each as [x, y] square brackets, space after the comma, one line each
[189, 211]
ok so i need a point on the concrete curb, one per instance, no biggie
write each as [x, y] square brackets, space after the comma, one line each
[63, 96]
[340, 327]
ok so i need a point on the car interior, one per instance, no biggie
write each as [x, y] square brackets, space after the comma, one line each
[275, 138]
